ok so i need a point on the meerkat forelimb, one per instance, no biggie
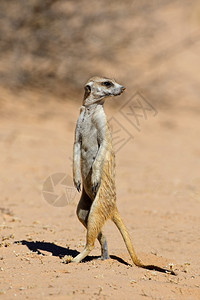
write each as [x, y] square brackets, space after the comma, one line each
[94, 171]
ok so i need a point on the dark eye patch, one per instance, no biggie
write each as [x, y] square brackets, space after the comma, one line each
[107, 83]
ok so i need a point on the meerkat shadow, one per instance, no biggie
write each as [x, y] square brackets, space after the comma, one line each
[39, 246]
[59, 251]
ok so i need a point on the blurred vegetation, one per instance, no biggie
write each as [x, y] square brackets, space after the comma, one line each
[56, 45]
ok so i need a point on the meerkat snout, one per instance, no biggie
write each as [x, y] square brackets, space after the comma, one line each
[122, 89]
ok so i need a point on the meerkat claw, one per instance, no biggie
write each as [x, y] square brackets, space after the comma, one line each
[78, 187]
[94, 188]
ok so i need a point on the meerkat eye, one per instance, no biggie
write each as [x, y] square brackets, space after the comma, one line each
[107, 83]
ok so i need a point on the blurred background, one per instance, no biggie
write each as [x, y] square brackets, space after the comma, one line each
[56, 45]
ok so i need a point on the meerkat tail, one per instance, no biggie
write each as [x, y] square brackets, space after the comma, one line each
[126, 237]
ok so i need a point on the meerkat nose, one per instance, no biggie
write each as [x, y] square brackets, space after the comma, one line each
[123, 88]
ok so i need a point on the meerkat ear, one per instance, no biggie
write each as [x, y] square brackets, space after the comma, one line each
[87, 91]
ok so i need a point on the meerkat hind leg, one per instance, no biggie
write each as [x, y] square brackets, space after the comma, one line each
[104, 246]
[83, 211]
[94, 225]
[101, 238]
[89, 247]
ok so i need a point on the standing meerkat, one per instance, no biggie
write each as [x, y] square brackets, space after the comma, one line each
[94, 162]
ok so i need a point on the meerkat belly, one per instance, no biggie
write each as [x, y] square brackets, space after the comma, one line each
[89, 151]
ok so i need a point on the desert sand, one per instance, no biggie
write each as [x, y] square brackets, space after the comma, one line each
[157, 178]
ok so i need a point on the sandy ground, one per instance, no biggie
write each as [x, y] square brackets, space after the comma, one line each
[158, 197]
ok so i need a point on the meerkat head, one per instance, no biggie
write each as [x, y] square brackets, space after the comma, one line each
[97, 88]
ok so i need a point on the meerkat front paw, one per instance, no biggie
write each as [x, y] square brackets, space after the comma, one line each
[95, 187]
[95, 183]
[77, 184]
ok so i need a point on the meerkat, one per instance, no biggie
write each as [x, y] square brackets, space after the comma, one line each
[94, 171]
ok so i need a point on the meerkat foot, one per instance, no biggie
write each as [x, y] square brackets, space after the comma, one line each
[68, 259]
[104, 256]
